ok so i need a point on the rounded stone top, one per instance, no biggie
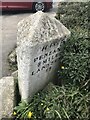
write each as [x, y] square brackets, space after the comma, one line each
[40, 27]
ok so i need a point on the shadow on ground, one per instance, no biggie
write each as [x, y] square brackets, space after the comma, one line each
[15, 12]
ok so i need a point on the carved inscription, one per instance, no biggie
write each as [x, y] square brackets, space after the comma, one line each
[46, 60]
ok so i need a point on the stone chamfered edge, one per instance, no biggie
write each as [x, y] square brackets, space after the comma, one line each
[33, 32]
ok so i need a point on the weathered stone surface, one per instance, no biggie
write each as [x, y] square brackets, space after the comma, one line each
[7, 98]
[38, 53]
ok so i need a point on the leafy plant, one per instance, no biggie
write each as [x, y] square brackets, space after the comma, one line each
[74, 14]
[75, 57]
[56, 102]
[75, 53]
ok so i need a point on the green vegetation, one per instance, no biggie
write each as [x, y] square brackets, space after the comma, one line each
[74, 15]
[75, 52]
[56, 102]
[70, 100]
[75, 57]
